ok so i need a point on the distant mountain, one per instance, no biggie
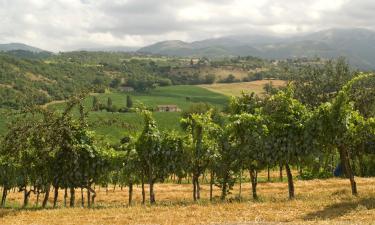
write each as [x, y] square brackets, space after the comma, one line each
[111, 49]
[18, 46]
[29, 55]
[215, 48]
[358, 45]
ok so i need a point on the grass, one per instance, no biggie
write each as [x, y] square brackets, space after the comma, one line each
[317, 202]
[131, 123]
[113, 126]
[161, 95]
[235, 89]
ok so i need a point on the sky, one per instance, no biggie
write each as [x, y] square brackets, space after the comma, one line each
[63, 25]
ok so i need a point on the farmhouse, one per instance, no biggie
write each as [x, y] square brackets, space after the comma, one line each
[168, 108]
[126, 89]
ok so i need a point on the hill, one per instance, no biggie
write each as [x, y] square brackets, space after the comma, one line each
[19, 46]
[355, 44]
[26, 81]
[24, 54]
[214, 48]
[110, 49]
[39, 78]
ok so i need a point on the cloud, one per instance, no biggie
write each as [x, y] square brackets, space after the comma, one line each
[70, 24]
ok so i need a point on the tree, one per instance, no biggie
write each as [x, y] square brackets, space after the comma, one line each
[209, 78]
[115, 83]
[164, 82]
[362, 95]
[129, 102]
[95, 104]
[202, 108]
[270, 89]
[338, 126]
[200, 148]
[250, 132]
[27, 147]
[315, 85]
[285, 119]
[109, 104]
[79, 161]
[51, 148]
[224, 159]
[129, 165]
[158, 152]
[8, 173]
[229, 79]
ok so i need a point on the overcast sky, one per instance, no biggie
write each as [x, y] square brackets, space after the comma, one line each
[58, 25]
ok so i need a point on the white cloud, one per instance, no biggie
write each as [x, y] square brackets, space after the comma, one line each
[69, 24]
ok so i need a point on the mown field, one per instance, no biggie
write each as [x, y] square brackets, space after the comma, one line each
[317, 202]
[236, 89]
[220, 73]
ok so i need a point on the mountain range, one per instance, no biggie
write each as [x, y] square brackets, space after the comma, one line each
[357, 45]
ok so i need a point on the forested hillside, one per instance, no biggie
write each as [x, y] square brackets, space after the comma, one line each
[28, 81]
[38, 78]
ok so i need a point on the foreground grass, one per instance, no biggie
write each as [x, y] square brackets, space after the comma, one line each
[317, 202]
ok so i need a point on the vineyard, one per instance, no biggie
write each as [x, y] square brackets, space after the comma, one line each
[301, 132]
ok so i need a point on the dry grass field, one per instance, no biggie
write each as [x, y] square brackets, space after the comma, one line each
[235, 89]
[220, 73]
[317, 202]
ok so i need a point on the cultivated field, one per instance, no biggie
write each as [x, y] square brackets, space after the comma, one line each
[161, 95]
[317, 202]
[113, 126]
[235, 89]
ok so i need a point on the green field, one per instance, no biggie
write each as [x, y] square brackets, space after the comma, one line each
[166, 95]
[113, 126]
